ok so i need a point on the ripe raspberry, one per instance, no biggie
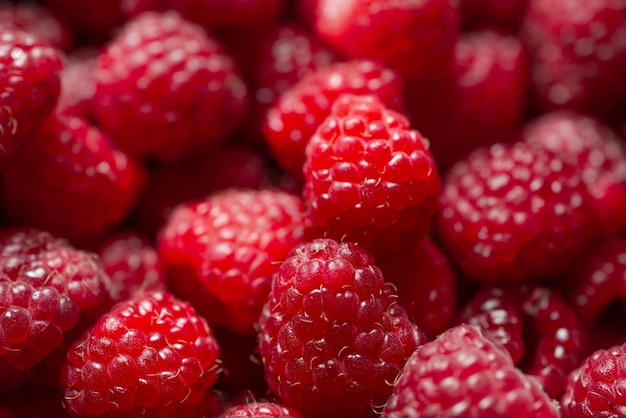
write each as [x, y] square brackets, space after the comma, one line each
[261, 410]
[505, 15]
[152, 356]
[463, 374]
[298, 112]
[578, 49]
[600, 155]
[165, 90]
[422, 33]
[332, 335]
[369, 177]
[70, 180]
[78, 85]
[30, 84]
[599, 279]
[132, 265]
[89, 19]
[426, 285]
[221, 252]
[596, 388]
[38, 21]
[227, 166]
[490, 85]
[213, 13]
[45, 286]
[541, 333]
[514, 213]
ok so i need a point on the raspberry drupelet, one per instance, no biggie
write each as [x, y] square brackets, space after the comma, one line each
[165, 89]
[36, 20]
[261, 410]
[369, 178]
[220, 252]
[332, 336]
[152, 356]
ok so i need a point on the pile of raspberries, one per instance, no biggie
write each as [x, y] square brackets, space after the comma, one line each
[313, 208]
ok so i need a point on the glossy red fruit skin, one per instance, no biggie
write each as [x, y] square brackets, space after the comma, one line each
[332, 336]
[578, 51]
[596, 388]
[30, 73]
[297, 113]
[423, 33]
[540, 331]
[45, 287]
[514, 213]
[78, 85]
[153, 355]
[599, 153]
[166, 90]
[261, 410]
[426, 285]
[463, 374]
[369, 177]
[71, 180]
[37, 20]
[220, 252]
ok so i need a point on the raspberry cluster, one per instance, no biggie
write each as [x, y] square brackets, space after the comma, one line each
[312, 208]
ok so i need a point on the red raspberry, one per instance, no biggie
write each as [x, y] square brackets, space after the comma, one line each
[165, 90]
[505, 15]
[415, 38]
[152, 356]
[541, 333]
[596, 388]
[132, 264]
[71, 180]
[38, 21]
[600, 155]
[261, 410]
[227, 166]
[332, 334]
[221, 252]
[89, 19]
[214, 13]
[579, 53]
[599, 279]
[78, 85]
[298, 112]
[488, 103]
[514, 213]
[30, 74]
[45, 286]
[463, 374]
[425, 284]
[369, 177]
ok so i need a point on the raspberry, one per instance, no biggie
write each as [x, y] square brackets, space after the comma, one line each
[504, 15]
[227, 166]
[77, 84]
[600, 155]
[45, 286]
[298, 112]
[165, 90]
[514, 213]
[132, 265]
[425, 284]
[29, 82]
[37, 21]
[596, 388]
[488, 103]
[598, 279]
[91, 19]
[541, 333]
[70, 180]
[369, 177]
[422, 33]
[152, 356]
[221, 252]
[578, 48]
[261, 410]
[463, 374]
[332, 335]
[214, 13]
